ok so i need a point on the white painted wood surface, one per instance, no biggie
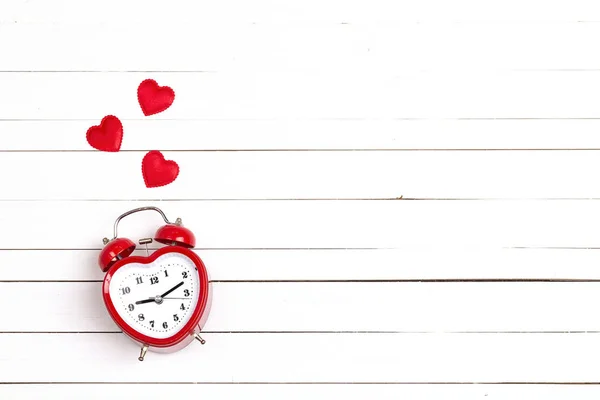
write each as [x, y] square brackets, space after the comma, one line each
[335, 307]
[250, 94]
[394, 199]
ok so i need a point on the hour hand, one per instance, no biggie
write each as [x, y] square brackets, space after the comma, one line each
[172, 289]
[145, 301]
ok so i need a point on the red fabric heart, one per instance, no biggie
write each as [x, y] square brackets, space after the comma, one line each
[107, 136]
[153, 98]
[157, 171]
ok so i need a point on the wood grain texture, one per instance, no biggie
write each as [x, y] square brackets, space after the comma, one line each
[303, 391]
[289, 357]
[303, 134]
[308, 175]
[381, 224]
[331, 307]
[309, 94]
[406, 263]
[205, 12]
[304, 46]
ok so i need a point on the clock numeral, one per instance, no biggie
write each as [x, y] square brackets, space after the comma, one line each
[165, 325]
[152, 324]
[131, 307]
[184, 274]
[139, 280]
[154, 280]
[125, 290]
[182, 306]
[175, 317]
[141, 317]
[186, 292]
[166, 273]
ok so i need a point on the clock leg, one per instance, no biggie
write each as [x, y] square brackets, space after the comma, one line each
[199, 338]
[143, 353]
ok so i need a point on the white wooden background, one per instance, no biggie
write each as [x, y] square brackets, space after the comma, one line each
[394, 198]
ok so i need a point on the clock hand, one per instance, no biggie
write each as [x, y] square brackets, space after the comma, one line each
[178, 298]
[145, 301]
[161, 297]
[172, 289]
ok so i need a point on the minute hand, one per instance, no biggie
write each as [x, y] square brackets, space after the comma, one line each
[172, 289]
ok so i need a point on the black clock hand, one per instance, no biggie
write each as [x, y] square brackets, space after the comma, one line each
[145, 301]
[150, 300]
[172, 289]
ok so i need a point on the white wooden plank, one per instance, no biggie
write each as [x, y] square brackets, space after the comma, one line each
[306, 175]
[310, 134]
[310, 94]
[303, 391]
[311, 224]
[231, 358]
[330, 307]
[388, 48]
[429, 263]
[206, 12]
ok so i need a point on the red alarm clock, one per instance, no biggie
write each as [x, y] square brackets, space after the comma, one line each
[160, 301]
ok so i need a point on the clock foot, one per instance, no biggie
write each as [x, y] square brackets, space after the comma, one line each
[199, 338]
[143, 353]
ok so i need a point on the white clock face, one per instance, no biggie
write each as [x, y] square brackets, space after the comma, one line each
[156, 299]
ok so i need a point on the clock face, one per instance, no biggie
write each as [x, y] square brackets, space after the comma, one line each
[159, 298]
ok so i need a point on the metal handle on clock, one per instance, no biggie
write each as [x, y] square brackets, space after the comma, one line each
[135, 210]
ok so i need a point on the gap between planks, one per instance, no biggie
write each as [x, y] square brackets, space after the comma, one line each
[312, 248]
[474, 280]
[494, 199]
[305, 383]
[311, 150]
[419, 70]
[334, 332]
[319, 119]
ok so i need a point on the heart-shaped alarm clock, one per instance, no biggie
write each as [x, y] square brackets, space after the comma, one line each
[162, 300]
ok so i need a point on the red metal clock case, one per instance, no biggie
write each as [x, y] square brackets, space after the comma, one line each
[198, 316]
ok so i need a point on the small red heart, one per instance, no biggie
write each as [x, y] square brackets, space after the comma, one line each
[107, 136]
[153, 98]
[157, 171]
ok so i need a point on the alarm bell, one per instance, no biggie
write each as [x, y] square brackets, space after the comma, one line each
[172, 234]
[113, 251]
[175, 235]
